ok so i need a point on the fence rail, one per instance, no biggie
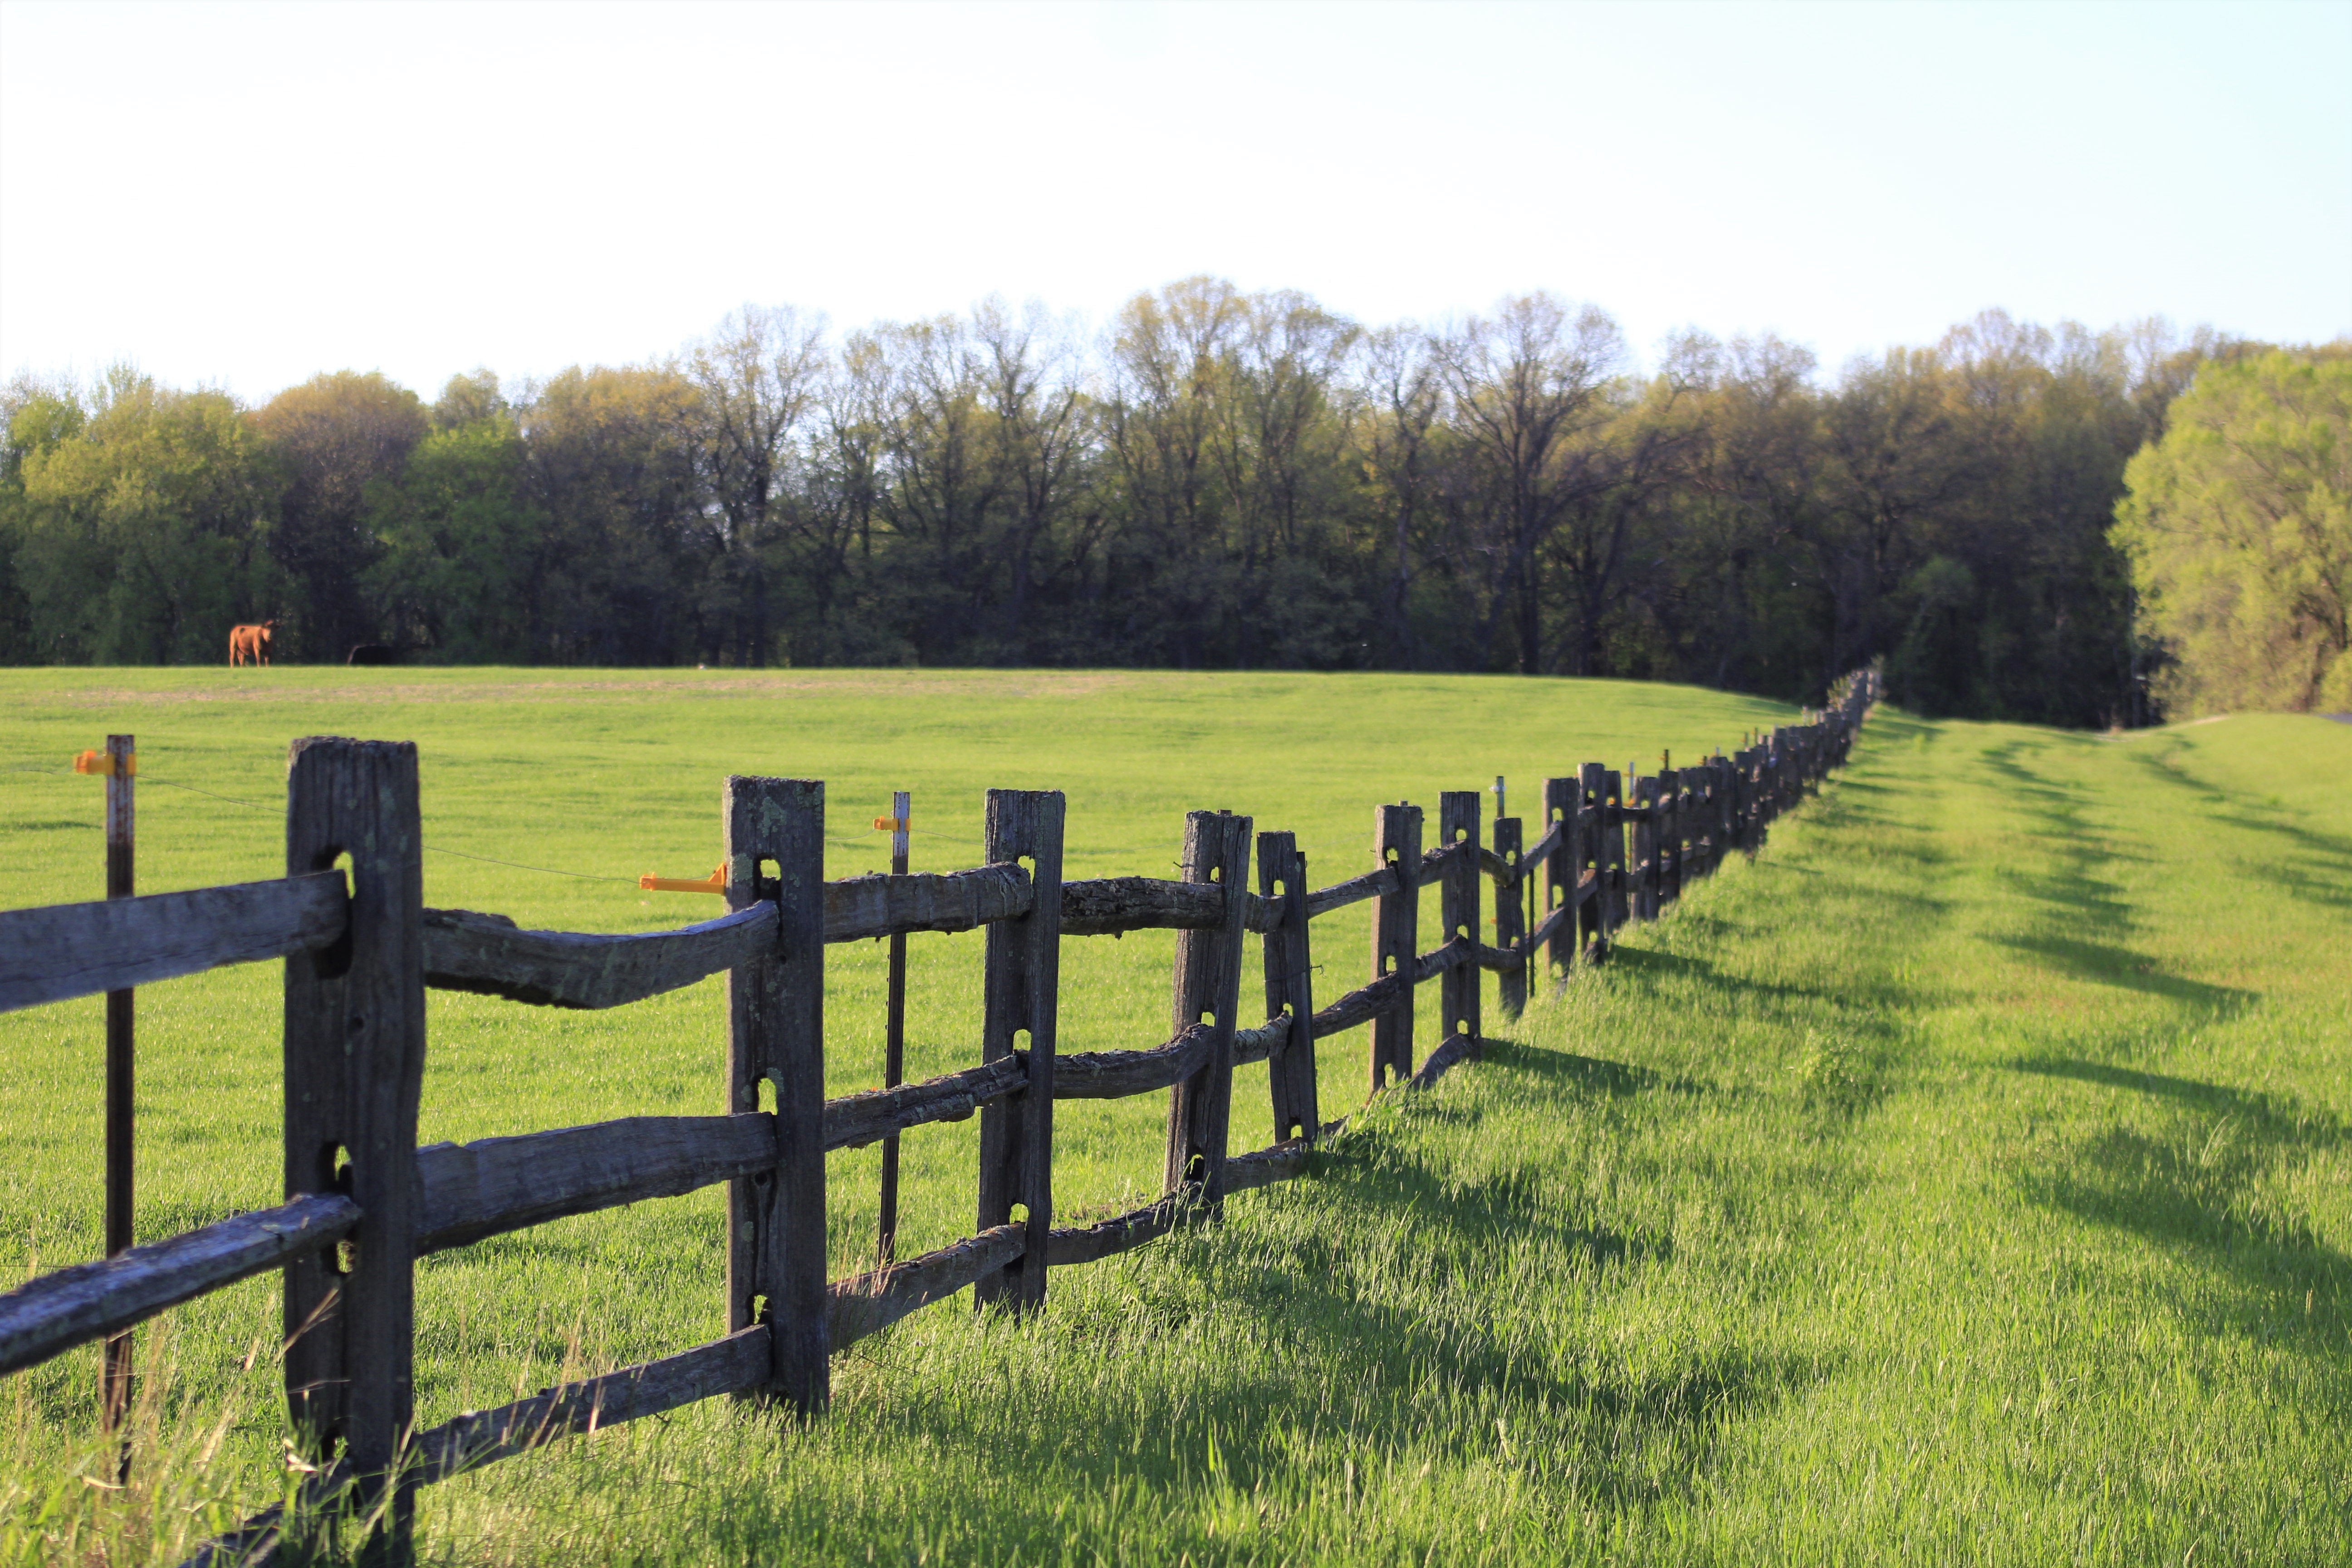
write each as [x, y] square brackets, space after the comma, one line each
[361, 952]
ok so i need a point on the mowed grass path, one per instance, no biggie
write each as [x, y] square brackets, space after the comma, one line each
[1965, 1178]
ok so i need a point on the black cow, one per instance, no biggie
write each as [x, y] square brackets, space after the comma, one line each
[373, 653]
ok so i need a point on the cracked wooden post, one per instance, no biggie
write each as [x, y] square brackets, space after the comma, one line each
[1396, 920]
[1023, 995]
[354, 1071]
[1208, 991]
[776, 1035]
[1458, 830]
[1289, 988]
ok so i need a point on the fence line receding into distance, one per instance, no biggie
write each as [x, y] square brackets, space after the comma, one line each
[362, 952]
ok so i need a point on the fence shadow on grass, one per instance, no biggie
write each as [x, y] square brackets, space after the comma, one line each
[2105, 964]
[1277, 1279]
[2197, 1180]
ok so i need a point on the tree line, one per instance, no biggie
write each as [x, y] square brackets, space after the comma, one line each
[1220, 480]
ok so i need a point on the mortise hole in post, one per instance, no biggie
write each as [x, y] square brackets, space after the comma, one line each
[1216, 873]
[766, 1091]
[1020, 1214]
[334, 960]
[1208, 1017]
[1388, 964]
[757, 1309]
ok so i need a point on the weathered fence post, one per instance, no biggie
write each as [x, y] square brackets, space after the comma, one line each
[1510, 916]
[1671, 834]
[1564, 867]
[1023, 985]
[1396, 921]
[354, 1071]
[1208, 991]
[1733, 768]
[775, 1032]
[1614, 889]
[122, 1058]
[1458, 988]
[1645, 848]
[1289, 988]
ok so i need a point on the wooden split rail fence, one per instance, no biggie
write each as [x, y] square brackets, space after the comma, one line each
[365, 1202]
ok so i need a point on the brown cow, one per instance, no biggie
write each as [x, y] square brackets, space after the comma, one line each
[252, 642]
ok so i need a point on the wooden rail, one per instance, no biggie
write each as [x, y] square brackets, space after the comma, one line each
[360, 956]
[62, 951]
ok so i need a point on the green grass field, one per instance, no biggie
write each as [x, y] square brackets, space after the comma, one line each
[1966, 1178]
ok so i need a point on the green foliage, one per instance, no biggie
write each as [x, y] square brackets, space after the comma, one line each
[1231, 480]
[140, 523]
[2239, 525]
[1945, 1185]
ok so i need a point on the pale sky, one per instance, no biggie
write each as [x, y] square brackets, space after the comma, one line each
[244, 195]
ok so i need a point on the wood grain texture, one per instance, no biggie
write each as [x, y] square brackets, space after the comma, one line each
[1563, 864]
[859, 907]
[1368, 1003]
[1088, 1244]
[353, 1074]
[1458, 813]
[1507, 960]
[1263, 1167]
[1354, 890]
[1396, 916]
[775, 1230]
[469, 1191]
[733, 1365]
[869, 1303]
[60, 951]
[1022, 994]
[1457, 1049]
[488, 955]
[1206, 989]
[1290, 975]
[56, 1311]
[1114, 1075]
[1104, 906]
[1511, 920]
[854, 1120]
[1260, 1042]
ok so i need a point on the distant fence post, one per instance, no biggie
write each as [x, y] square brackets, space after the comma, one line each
[1720, 830]
[1671, 834]
[1564, 867]
[1458, 988]
[1023, 994]
[354, 1071]
[1510, 916]
[1289, 988]
[1614, 891]
[1396, 920]
[1645, 848]
[775, 1032]
[1208, 991]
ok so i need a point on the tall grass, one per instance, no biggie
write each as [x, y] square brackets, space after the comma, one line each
[1965, 1178]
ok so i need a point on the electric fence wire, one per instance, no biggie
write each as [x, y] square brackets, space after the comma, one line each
[435, 848]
